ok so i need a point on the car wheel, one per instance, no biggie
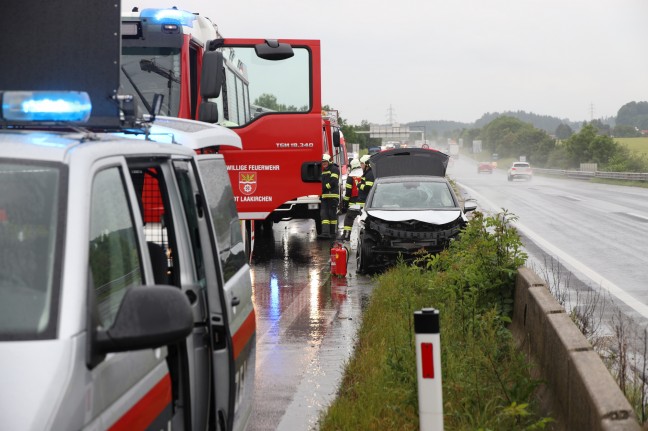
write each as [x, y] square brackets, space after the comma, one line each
[365, 255]
[249, 224]
[359, 264]
[510, 178]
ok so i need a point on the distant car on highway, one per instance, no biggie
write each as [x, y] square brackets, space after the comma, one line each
[520, 170]
[485, 167]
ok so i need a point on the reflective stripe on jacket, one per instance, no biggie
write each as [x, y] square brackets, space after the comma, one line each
[331, 182]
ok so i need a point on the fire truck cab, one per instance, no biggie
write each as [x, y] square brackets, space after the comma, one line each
[267, 91]
[118, 312]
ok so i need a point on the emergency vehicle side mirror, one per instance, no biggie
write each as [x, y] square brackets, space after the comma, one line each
[336, 138]
[211, 79]
[148, 317]
[273, 50]
[311, 172]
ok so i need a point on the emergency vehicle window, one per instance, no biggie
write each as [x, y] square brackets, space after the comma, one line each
[150, 188]
[254, 86]
[191, 213]
[240, 102]
[146, 71]
[220, 200]
[30, 220]
[230, 99]
[114, 256]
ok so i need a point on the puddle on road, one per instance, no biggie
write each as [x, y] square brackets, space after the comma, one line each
[307, 321]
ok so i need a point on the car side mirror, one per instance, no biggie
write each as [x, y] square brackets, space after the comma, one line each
[470, 205]
[148, 317]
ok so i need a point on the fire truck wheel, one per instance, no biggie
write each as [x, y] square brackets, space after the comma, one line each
[318, 226]
[266, 226]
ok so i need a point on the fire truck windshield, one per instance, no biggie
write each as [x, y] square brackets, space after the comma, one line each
[254, 86]
[149, 71]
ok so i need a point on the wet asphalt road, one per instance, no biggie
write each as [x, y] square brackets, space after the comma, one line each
[306, 325]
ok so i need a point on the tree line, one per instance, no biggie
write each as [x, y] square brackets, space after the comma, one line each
[593, 143]
[526, 134]
[560, 147]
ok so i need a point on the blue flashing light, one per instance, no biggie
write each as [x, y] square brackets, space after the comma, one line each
[46, 106]
[169, 16]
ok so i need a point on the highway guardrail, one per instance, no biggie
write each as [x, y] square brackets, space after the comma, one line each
[586, 175]
[578, 389]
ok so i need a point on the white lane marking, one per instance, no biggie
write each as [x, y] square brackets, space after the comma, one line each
[565, 258]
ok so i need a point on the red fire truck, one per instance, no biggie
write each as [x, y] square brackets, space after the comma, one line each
[267, 91]
[308, 206]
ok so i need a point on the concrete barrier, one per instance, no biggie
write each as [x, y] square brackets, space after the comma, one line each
[578, 390]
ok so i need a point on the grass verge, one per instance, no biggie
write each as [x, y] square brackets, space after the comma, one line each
[486, 381]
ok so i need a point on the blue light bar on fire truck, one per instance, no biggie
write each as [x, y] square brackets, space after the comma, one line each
[45, 106]
[169, 16]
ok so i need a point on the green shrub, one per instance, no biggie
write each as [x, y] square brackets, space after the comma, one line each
[486, 381]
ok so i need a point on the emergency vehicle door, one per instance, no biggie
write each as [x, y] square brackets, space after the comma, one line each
[170, 224]
[119, 385]
[231, 311]
[270, 95]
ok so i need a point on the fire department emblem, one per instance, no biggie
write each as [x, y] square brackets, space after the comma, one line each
[247, 182]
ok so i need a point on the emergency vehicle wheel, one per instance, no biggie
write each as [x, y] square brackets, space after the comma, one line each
[318, 226]
[267, 226]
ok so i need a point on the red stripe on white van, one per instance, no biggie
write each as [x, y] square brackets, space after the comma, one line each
[244, 334]
[146, 410]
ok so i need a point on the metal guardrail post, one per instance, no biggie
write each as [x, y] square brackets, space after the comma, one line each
[428, 369]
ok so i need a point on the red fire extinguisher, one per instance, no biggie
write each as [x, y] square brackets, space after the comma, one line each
[339, 258]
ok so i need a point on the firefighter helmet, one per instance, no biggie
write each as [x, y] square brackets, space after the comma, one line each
[355, 163]
[326, 158]
[365, 158]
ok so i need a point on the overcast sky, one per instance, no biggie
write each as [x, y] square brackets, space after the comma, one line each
[456, 59]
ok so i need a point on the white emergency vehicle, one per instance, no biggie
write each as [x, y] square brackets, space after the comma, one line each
[125, 293]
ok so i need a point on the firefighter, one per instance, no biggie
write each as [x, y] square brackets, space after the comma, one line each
[330, 197]
[367, 181]
[351, 195]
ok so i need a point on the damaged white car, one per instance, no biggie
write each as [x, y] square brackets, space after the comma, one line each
[412, 206]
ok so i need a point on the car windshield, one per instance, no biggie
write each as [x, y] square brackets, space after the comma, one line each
[29, 212]
[417, 195]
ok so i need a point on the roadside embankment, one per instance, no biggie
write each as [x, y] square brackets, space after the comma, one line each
[578, 390]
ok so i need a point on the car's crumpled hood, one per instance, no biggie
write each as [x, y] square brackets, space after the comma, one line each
[432, 217]
[33, 375]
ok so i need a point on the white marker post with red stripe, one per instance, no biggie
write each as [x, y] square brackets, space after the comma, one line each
[428, 369]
